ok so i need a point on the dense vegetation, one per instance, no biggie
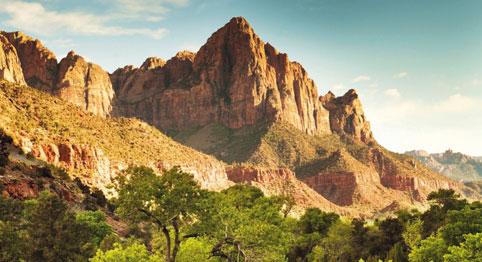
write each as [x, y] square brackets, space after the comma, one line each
[171, 219]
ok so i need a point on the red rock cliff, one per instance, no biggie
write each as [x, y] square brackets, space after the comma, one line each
[347, 117]
[84, 84]
[10, 68]
[39, 64]
[235, 79]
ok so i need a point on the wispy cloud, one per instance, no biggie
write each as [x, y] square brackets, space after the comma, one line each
[456, 103]
[476, 82]
[149, 10]
[35, 18]
[360, 78]
[393, 92]
[400, 75]
[339, 87]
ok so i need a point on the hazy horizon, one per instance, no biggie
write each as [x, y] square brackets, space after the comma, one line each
[416, 65]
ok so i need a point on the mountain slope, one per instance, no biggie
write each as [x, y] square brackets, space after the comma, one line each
[93, 147]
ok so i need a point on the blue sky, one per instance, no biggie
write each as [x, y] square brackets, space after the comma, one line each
[416, 64]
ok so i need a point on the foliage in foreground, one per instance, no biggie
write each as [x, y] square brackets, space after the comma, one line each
[172, 219]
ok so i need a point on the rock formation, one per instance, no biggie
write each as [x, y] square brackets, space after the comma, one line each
[10, 67]
[39, 64]
[235, 79]
[84, 84]
[347, 117]
[283, 182]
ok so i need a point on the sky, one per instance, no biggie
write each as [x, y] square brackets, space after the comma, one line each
[416, 64]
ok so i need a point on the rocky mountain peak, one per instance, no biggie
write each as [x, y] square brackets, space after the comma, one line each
[10, 66]
[235, 79]
[347, 117]
[39, 65]
[84, 84]
[152, 62]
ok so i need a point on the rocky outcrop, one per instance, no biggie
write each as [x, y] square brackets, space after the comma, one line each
[85, 85]
[25, 60]
[96, 170]
[235, 79]
[10, 67]
[283, 182]
[39, 65]
[338, 187]
[347, 117]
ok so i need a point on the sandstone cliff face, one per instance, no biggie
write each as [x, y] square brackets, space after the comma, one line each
[347, 117]
[97, 170]
[39, 64]
[283, 182]
[10, 67]
[25, 60]
[85, 85]
[235, 79]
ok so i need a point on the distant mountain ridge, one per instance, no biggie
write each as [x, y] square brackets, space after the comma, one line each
[455, 165]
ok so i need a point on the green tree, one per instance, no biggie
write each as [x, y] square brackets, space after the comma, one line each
[196, 250]
[244, 225]
[447, 199]
[133, 252]
[412, 234]
[168, 202]
[53, 232]
[337, 243]
[95, 223]
[391, 230]
[312, 227]
[12, 242]
[431, 249]
[397, 253]
[461, 222]
[468, 251]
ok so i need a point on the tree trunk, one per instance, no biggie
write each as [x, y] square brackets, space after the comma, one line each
[168, 244]
[177, 241]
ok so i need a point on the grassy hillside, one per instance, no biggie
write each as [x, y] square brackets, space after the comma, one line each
[47, 119]
[281, 145]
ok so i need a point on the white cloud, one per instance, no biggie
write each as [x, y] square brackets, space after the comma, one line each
[35, 18]
[476, 82]
[409, 123]
[455, 103]
[360, 78]
[339, 87]
[393, 92]
[400, 75]
[62, 42]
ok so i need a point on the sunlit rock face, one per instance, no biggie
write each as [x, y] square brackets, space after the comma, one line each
[74, 79]
[10, 67]
[39, 65]
[84, 84]
[235, 79]
[347, 117]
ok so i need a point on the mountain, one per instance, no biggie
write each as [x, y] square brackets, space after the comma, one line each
[235, 80]
[455, 165]
[237, 111]
[95, 149]
[73, 79]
